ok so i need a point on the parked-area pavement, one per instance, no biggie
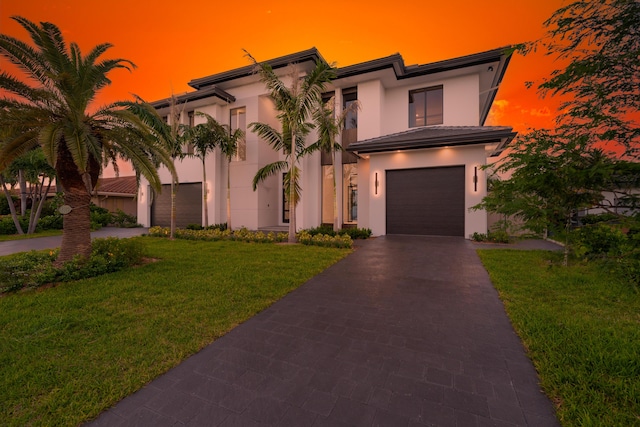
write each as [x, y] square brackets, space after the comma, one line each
[51, 242]
[405, 331]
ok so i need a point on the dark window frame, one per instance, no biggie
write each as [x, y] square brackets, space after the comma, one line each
[412, 118]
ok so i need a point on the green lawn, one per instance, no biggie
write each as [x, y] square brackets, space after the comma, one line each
[581, 327]
[45, 233]
[69, 352]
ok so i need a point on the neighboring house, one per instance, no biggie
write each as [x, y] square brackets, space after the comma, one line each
[117, 193]
[413, 155]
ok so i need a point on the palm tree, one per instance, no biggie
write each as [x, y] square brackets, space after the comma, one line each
[31, 168]
[329, 127]
[227, 140]
[295, 105]
[204, 138]
[170, 136]
[55, 114]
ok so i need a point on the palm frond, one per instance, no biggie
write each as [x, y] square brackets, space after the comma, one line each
[267, 171]
[272, 136]
[49, 139]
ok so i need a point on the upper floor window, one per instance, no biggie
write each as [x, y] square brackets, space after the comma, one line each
[350, 96]
[425, 106]
[238, 120]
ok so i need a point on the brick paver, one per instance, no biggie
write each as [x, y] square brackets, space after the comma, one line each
[406, 331]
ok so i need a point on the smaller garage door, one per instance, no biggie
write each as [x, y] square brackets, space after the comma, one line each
[188, 206]
[427, 201]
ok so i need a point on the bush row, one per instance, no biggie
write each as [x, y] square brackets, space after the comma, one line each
[353, 232]
[496, 236]
[215, 234]
[34, 269]
[100, 217]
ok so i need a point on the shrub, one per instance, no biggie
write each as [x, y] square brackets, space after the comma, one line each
[50, 222]
[24, 270]
[599, 240]
[100, 217]
[353, 232]
[123, 220]
[322, 229]
[220, 227]
[4, 204]
[496, 236]
[245, 235]
[194, 227]
[33, 269]
[8, 227]
[338, 241]
[356, 233]
[479, 237]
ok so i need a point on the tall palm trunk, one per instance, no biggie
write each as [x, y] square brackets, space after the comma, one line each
[292, 189]
[173, 210]
[76, 236]
[229, 194]
[204, 197]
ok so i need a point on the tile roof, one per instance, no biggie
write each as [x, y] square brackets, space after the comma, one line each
[120, 185]
[436, 136]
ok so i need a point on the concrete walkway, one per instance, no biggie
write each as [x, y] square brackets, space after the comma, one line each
[51, 242]
[406, 331]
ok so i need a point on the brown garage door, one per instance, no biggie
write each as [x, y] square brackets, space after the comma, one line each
[427, 201]
[188, 206]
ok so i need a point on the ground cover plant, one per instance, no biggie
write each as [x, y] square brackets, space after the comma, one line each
[217, 233]
[70, 352]
[37, 268]
[580, 326]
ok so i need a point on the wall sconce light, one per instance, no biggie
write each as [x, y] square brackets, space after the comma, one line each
[490, 69]
[376, 183]
[475, 178]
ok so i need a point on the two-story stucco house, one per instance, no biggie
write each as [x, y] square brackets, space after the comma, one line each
[412, 160]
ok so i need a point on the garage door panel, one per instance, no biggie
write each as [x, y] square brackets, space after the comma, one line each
[188, 205]
[427, 201]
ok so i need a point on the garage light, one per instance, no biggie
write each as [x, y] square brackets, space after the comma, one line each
[376, 183]
[475, 178]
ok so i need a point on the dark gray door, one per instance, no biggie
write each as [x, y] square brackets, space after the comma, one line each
[427, 201]
[188, 206]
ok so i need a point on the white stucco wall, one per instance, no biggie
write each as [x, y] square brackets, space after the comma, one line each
[383, 111]
[460, 103]
[470, 157]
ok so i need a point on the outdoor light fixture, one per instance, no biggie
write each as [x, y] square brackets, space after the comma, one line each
[376, 183]
[490, 69]
[475, 178]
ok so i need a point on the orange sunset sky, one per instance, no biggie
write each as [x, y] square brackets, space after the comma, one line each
[173, 42]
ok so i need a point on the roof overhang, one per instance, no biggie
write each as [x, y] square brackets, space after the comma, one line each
[495, 137]
[493, 65]
[311, 55]
[208, 93]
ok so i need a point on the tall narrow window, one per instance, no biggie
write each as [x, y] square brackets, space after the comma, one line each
[350, 193]
[426, 106]
[349, 96]
[350, 131]
[238, 120]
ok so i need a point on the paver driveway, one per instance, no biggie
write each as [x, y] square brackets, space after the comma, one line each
[406, 331]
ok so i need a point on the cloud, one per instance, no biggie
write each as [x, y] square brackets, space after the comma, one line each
[537, 112]
[497, 113]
